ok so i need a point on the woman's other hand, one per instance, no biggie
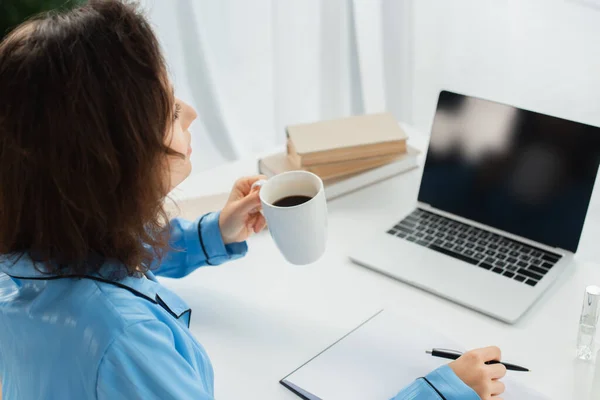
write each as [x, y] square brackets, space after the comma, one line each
[472, 369]
[241, 215]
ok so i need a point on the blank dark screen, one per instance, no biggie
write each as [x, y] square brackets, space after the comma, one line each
[519, 171]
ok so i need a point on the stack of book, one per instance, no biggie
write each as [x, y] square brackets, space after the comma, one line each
[347, 154]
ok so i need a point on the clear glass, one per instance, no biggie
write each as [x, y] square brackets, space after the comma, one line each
[585, 341]
[588, 323]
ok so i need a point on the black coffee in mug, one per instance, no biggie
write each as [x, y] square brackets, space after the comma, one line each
[290, 201]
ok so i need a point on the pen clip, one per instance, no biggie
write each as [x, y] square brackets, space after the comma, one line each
[448, 351]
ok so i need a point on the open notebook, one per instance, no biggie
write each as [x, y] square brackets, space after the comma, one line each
[377, 359]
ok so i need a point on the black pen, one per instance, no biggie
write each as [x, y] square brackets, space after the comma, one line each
[453, 355]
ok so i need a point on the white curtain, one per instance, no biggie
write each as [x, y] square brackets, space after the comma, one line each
[251, 67]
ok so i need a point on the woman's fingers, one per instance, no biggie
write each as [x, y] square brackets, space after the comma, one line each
[260, 223]
[497, 387]
[497, 371]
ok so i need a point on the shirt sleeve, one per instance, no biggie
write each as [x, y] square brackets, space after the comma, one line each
[441, 383]
[143, 363]
[195, 244]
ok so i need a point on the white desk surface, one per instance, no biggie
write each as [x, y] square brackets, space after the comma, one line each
[259, 318]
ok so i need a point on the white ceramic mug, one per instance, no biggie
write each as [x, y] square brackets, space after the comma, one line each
[299, 231]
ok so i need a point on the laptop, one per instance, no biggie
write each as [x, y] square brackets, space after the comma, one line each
[501, 206]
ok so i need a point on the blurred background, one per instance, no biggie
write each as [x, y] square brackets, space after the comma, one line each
[13, 12]
[251, 67]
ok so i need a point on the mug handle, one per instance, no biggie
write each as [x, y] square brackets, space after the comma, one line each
[258, 184]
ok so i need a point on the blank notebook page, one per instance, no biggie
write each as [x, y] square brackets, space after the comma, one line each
[378, 359]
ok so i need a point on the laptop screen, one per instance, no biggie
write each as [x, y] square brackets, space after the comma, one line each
[519, 171]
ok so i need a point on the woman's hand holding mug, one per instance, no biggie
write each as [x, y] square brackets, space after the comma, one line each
[240, 216]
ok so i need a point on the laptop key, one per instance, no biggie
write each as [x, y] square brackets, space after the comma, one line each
[529, 274]
[489, 260]
[411, 239]
[450, 237]
[514, 253]
[419, 234]
[462, 236]
[503, 250]
[486, 265]
[493, 247]
[497, 270]
[530, 282]
[500, 256]
[438, 242]
[429, 237]
[430, 231]
[536, 254]
[459, 248]
[490, 252]
[500, 264]
[520, 278]
[422, 243]
[541, 271]
[525, 258]
[469, 252]
[511, 267]
[392, 231]
[536, 261]
[511, 260]
[408, 223]
[547, 265]
[469, 245]
[478, 256]
[452, 254]
[401, 235]
[522, 264]
[550, 257]
[404, 229]
[479, 249]
[508, 274]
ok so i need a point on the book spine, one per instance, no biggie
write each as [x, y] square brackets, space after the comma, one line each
[351, 154]
[369, 178]
[293, 156]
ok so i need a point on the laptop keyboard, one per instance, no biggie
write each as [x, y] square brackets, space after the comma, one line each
[501, 255]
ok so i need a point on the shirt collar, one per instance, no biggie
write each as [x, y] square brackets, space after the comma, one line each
[23, 268]
[20, 267]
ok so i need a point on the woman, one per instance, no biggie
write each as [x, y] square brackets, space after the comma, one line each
[91, 140]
